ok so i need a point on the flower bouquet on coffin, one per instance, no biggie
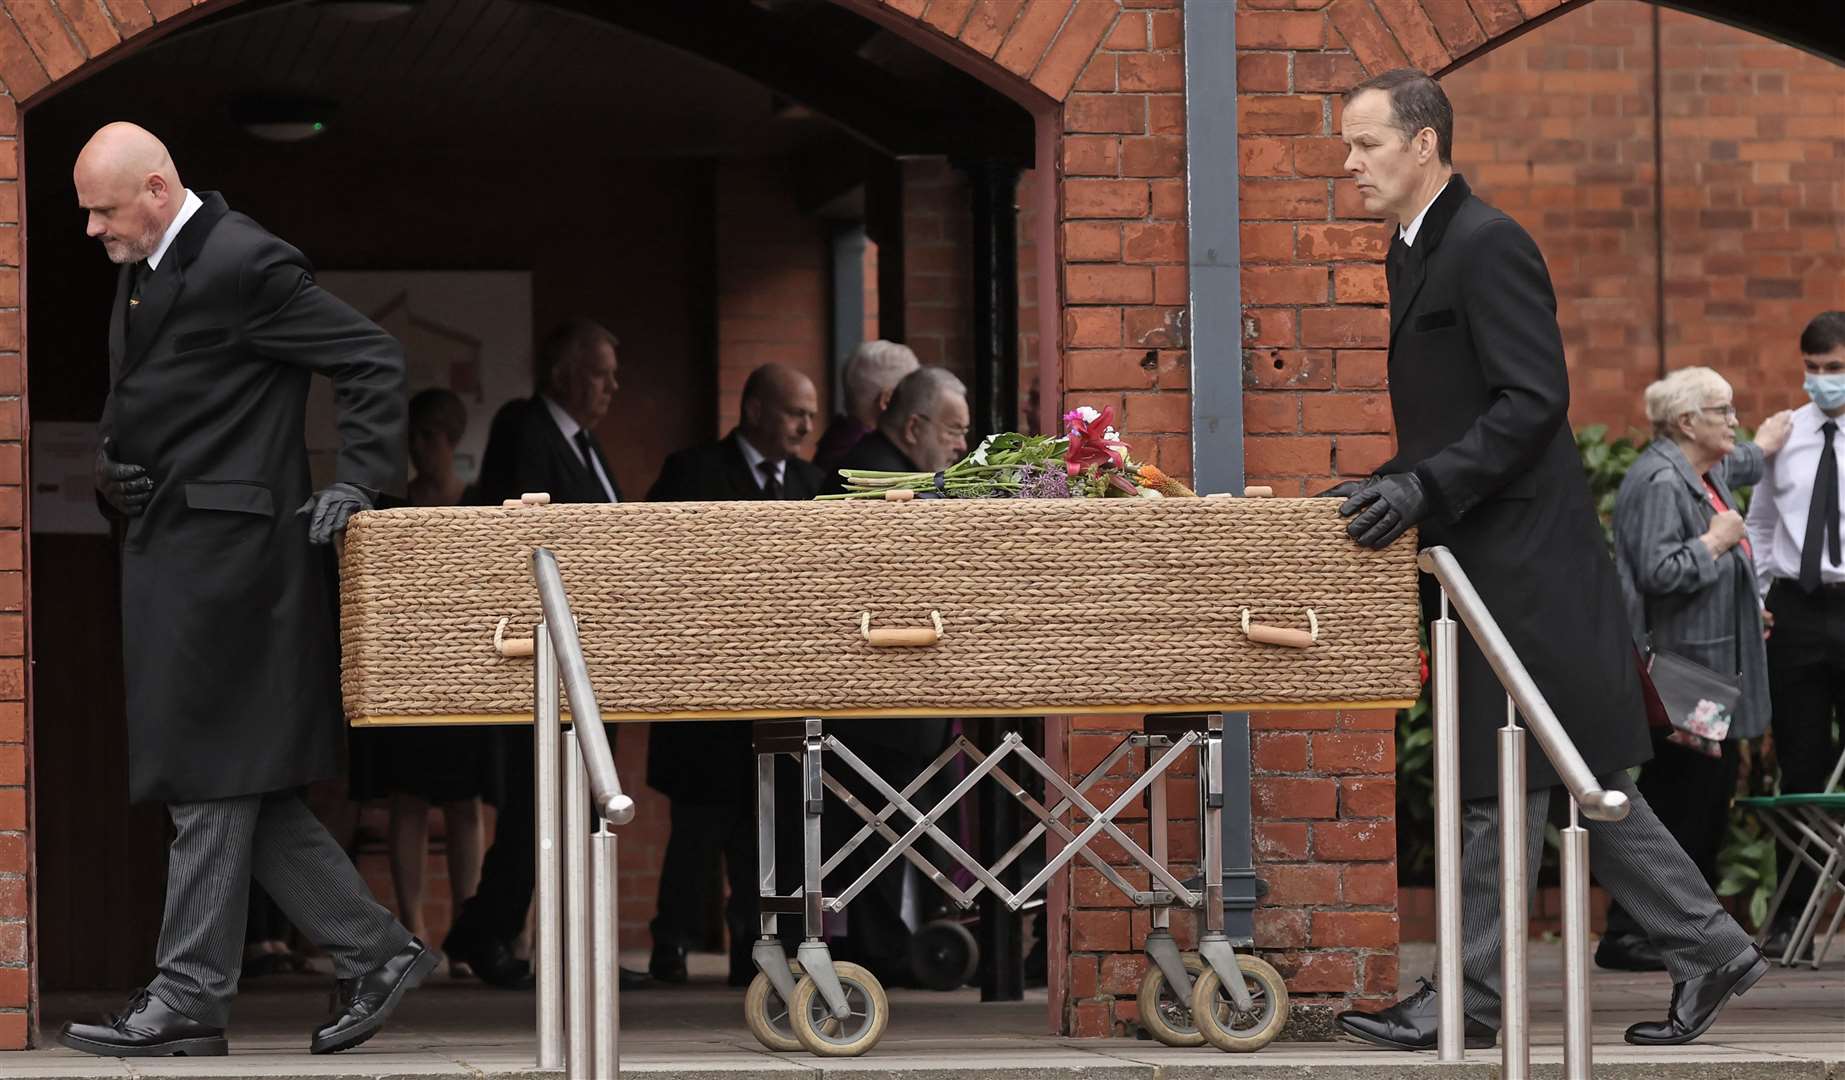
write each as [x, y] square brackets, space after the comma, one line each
[1088, 460]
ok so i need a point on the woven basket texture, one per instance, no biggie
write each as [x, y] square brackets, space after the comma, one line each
[719, 609]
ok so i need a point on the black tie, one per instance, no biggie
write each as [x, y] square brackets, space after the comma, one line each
[589, 455]
[1393, 261]
[1822, 513]
[137, 280]
[771, 484]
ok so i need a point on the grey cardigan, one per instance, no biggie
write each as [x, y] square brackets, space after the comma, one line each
[1679, 598]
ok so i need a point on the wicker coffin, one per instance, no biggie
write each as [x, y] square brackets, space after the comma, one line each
[757, 609]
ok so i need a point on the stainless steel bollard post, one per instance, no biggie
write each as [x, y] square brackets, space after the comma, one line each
[549, 952]
[576, 910]
[607, 1020]
[1578, 1036]
[1448, 978]
[1516, 1053]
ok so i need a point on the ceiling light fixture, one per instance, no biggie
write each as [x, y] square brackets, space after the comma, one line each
[274, 119]
[367, 11]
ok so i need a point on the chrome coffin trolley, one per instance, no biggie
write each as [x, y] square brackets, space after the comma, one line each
[795, 616]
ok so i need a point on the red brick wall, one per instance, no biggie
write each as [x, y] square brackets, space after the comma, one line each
[1557, 130]
[938, 265]
[772, 284]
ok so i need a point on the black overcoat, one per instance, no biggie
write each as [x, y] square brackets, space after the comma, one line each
[1480, 397]
[527, 453]
[711, 762]
[228, 623]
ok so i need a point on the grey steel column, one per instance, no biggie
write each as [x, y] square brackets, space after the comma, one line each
[603, 941]
[1443, 638]
[549, 946]
[1213, 337]
[1515, 1058]
[576, 910]
[1238, 845]
[1578, 1038]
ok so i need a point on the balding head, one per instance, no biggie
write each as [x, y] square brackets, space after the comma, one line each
[778, 411]
[127, 184]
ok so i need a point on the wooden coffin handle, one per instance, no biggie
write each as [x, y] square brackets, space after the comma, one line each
[530, 498]
[1279, 635]
[510, 647]
[1258, 491]
[913, 637]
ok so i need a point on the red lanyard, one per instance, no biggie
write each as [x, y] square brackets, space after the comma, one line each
[1716, 502]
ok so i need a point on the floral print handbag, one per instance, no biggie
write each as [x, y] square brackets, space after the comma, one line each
[1699, 702]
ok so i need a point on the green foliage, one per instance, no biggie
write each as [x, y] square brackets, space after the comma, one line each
[1604, 462]
[1746, 865]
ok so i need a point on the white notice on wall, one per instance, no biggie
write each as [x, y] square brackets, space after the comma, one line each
[63, 483]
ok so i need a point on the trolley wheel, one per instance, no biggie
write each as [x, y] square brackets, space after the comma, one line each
[1229, 1028]
[944, 954]
[821, 1034]
[1166, 1015]
[767, 1014]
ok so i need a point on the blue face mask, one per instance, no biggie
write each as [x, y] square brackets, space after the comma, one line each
[1827, 391]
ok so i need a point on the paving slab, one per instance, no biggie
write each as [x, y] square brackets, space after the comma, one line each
[1790, 1027]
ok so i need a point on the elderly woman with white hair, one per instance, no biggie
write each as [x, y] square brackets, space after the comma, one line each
[871, 376]
[1686, 570]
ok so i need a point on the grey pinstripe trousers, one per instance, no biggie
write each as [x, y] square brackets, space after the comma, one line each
[220, 845]
[1635, 859]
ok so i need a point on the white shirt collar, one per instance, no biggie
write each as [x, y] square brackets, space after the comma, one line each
[188, 206]
[566, 423]
[1408, 232]
[754, 458]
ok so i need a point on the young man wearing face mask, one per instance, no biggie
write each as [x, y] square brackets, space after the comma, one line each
[1794, 525]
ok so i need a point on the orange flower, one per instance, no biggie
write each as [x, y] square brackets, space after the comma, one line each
[1152, 477]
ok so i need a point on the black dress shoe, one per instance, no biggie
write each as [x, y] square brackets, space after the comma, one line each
[634, 980]
[1628, 952]
[146, 1028]
[366, 1002]
[1412, 1024]
[1696, 1002]
[492, 961]
[667, 964]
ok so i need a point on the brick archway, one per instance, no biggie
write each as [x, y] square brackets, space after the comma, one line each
[1103, 78]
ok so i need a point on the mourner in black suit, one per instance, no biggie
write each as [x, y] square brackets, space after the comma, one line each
[231, 664]
[923, 429]
[546, 443]
[1487, 467]
[708, 770]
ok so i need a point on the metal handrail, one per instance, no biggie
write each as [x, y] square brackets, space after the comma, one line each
[577, 972]
[1522, 698]
[605, 786]
[1598, 803]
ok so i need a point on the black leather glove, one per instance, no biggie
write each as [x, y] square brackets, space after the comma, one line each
[1386, 510]
[329, 509]
[126, 487]
[1346, 488]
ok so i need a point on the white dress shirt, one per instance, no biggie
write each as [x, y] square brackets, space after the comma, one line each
[569, 426]
[755, 459]
[1408, 232]
[188, 206]
[1778, 508]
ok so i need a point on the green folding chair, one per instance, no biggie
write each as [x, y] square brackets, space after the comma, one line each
[1812, 827]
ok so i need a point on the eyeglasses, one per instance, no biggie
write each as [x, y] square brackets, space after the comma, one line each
[1728, 412]
[959, 432]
